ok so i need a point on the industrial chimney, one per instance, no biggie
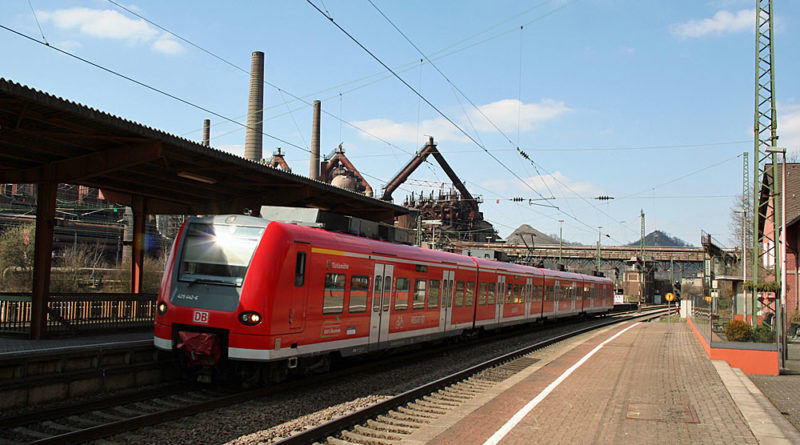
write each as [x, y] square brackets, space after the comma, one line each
[313, 171]
[206, 132]
[255, 109]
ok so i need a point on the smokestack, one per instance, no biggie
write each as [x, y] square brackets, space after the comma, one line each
[313, 171]
[255, 109]
[206, 132]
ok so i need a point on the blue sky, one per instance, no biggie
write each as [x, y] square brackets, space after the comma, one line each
[648, 102]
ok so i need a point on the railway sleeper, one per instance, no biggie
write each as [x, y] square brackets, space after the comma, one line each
[440, 402]
[336, 441]
[426, 407]
[27, 432]
[402, 423]
[408, 410]
[359, 438]
[60, 427]
[450, 396]
[378, 434]
[390, 428]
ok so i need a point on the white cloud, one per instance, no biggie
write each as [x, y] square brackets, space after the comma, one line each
[167, 45]
[110, 24]
[506, 114]
[69, 45]
[392, 131]
[789, 128]
[723, 22]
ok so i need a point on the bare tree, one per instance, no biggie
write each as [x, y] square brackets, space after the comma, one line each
[741, 228]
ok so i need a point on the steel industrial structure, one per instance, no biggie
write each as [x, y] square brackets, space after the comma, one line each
[457, 213]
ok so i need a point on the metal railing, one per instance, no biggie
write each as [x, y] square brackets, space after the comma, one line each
[75, 313]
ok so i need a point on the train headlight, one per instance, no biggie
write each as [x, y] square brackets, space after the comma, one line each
[250, 318]
[161, 308]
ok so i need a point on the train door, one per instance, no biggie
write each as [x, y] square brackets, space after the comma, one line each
[556, 297]
[527, 291]
[381, 302]
[446, 311]
[501, 297]
[573, 295]
[297, 311]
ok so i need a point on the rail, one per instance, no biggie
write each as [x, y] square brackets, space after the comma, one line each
[76, 313]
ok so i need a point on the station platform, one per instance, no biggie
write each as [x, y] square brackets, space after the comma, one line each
[629, 384]
[11, 347]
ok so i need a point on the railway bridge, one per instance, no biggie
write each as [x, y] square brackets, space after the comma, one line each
[683, 260]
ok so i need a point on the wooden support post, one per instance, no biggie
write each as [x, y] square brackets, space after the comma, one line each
[42, 257]
[137, 262]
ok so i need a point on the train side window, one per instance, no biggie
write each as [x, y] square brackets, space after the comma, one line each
[490, 295]
[387, 292]
[333, 297]
[419, 293]
[376, 294]
[300, 269]
[509, 292]
[482, 293]
[517, 298]
[433, 293]
[459, 294]
[470, 295]
[359, 287]
[401, 294]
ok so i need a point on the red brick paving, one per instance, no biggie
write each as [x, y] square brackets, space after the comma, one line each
[643, 387]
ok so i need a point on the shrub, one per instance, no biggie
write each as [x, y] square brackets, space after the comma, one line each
[763, 334]
[737, 330]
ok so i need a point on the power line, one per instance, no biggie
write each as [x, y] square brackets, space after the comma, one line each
[142, 84]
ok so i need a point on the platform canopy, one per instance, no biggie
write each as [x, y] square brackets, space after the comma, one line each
[46, 139]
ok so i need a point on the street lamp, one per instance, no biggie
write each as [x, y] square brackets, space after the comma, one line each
[560, 239]
[597, 260]
[744, 261]
[780, 302]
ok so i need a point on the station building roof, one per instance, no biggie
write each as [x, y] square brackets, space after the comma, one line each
[47, 139]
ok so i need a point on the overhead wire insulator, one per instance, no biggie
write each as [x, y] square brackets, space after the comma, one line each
[604, 198]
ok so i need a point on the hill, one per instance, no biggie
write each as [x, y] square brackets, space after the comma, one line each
[529, 232]
[658, 238]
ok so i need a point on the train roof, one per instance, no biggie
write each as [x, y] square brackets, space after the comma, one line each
[346, 242]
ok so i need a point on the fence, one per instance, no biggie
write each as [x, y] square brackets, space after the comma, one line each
[75, 313]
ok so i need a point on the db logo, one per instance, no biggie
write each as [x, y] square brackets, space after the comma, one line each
[200, 317]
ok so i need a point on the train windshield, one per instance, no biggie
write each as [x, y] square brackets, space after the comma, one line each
[217, 254]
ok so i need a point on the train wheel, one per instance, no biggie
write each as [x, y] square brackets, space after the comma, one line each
[275, 372]
[250, 375]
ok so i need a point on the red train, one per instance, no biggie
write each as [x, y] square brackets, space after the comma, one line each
[274, 296]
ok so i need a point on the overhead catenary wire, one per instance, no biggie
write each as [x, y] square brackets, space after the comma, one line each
[434, 107]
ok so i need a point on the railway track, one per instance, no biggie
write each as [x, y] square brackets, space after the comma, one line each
[82, 422]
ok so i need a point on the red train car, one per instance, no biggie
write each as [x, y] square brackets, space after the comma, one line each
[247, 290]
